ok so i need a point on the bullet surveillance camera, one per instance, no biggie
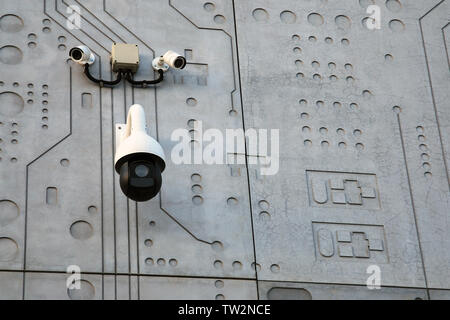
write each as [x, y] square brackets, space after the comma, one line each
[169, 59]
[139, 158]
[82, 55]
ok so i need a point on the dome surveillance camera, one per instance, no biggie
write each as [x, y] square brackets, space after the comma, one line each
[139, 158]
[169, 59]
[82, 55]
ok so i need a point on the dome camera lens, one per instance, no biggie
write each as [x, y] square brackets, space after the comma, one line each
[141, 170]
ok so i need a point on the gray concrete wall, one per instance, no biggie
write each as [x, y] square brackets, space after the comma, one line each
[364, 151]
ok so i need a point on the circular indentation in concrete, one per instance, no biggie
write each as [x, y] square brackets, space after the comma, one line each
[62, 47]
[219, 19]
[423, 147]
[332, 66]
[86, 291]
[264, 216]
[420, 129]
[306, 129]
[9, 211]
[397, 109]
[196, 178]
[263, 204]
[324, 144]
[152, 223]
[333, 78]
[232, 201]
[260, 15]
[357, 132]
[46, 22]
[396, 25]
[209, 6]
[345, 42]
[191, 102]
[218, 264]
[197, 200]
[315, 64]
[323, 130]
[92, 210]
[340, 131]
[393, 5]
[299, 63]
[61, 39]
[44, 126]
[343, 22]
[217, 246]
[315, 19]
[329, 40]
[342, 145]
[359, 146]
[237, 265]
[354, 106]
[304, 116]
[8, 249]
[256, 266]
[295, 37]
[220, 297]
[32, 45]
[388, 58]
[320, 104]
[15, 84]
[46, 30]
[13, 160]
[196, 188]
[173, 262]
[300, 75]
[149, 262]
[317, 77]
[219, 284]
[10, 103]
[350, 80]
[288, 17]
[425, 157]
[161, 262]
[30, 101]
[81, 230]
[303, 102]
[148, 243]
[10, 55]
[312, 39]
[11, 23]
[426, 166]
[64, 162]
[428, 175]
[275, 268]
[32, 36]
[297, 50]
[307, 143]
[44, 87]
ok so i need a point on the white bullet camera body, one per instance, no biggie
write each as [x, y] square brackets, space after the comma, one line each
[169, 59]
[82, 55]
[139, 158]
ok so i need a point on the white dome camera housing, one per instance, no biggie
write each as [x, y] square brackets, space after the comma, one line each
[82, 55]
[139, 158]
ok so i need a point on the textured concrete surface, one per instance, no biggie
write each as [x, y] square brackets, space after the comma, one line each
[364, 151]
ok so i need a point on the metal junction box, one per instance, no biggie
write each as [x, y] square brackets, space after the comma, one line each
[125, 56]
